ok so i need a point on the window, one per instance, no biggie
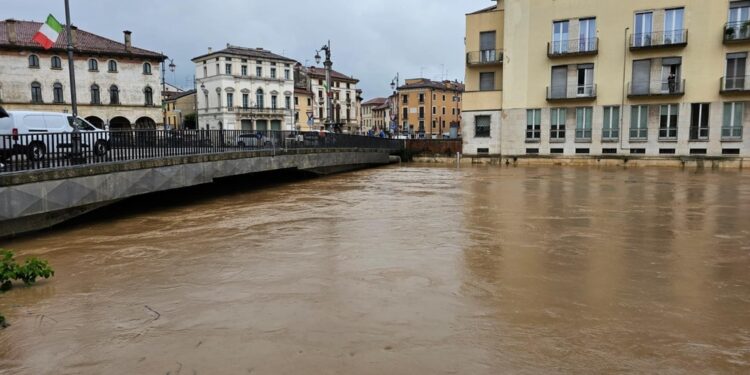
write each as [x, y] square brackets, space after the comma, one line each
[670, 74]
[148, 94]
[643, 27]
[228, 69]
[114, 95]
[668, 121]
[406, 113]
[36, 92]
[258, 71]
[309, 102]
[205, 71]
[243, 70]
[583, 123]
[487, 44]
[557, 124]
[434, 110]
[673, 26]
[739, 13]
[245, 101]
[585, 80]
[230, 101]
[273, 72]
[95, 95]
[218, 100]
[610, 126]
[734, 113]
[434, 124]
[699, 121]
[405, 99]
[288, 102]
[735, 71]
[288, 75]
[559, 87]
[259, 98]
[482, 126]
[93, 65]
[639, 122]
[33, 61]
[486, 81]
[273, 101]
[560, 37]
[587, 35]
[218, 70]
[443, 110]
[56, 63]
[421, 98]
[146, 68]
[112, 66]
[421, 112]
[533, 124]
[57, 93]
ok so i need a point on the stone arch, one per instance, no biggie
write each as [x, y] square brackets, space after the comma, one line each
[96, 121]
[146, 131]
[145, 123]
[120, 131]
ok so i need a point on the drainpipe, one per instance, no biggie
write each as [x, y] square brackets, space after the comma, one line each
[624, 89]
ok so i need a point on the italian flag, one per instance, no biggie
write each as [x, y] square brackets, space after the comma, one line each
[47, 35]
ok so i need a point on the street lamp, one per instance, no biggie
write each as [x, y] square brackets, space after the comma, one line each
[394, 103]
[328, 67]
[172, 67]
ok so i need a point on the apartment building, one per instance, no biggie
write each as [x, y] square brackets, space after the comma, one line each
[345, 111]
[243, 88]
[430, 109]
[587, 77]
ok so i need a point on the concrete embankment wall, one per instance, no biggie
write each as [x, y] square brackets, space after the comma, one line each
[39, 199]
[614, 161]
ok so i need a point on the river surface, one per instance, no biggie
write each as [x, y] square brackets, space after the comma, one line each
[402, 270]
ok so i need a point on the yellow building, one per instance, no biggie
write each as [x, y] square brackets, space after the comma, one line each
[592, 77]
[181, 110]
[303, 110]
[430, 109]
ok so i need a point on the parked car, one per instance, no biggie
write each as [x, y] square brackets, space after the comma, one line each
[36, 134]
[255, 140]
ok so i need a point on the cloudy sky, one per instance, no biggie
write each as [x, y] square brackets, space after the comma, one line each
[371, 39]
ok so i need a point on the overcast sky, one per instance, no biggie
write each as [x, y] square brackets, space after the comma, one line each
[371, 39]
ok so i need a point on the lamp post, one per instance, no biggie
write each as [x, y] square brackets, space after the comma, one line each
[77, 157]
[394, 103]
[328, 64]
[172, 67]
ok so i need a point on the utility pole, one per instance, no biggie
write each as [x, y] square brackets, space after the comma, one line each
[77, 157]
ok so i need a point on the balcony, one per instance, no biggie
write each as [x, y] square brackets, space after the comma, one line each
[574, 47]
[485, 57]
[574, 93]
[256, 111]
[661, 88]
[659, 39]
[737, 32]
[735, 85]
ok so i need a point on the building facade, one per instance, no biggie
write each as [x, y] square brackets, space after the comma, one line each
[181, 110]
[116, 84]
[346, 109]
[586, 77]
[370, 120]
[245, 89]
[430, 109]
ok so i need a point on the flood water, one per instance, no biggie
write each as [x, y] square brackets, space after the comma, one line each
[403, 270]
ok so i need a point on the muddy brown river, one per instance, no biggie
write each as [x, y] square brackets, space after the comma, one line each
[402, 270]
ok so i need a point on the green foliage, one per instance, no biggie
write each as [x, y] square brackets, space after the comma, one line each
[28, 272]
[3, 323]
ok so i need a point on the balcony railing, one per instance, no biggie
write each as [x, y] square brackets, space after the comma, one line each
[485, 57]
[659, 39]
[573, 47]
[261, 111]
[737, 32]
[577, 92]
[738, 84]
[656, 88]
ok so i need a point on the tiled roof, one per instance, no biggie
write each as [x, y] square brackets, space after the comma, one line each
[302, 91]
[321, 73]
[85, 42]
[383, 106]
[250, 53]
[182, 94]
[426, 83]
[375, 101]
[488, 9]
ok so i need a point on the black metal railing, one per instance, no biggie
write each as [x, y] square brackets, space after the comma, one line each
[574, 92]
[737, 31]
[485, 57]
[588, 46]
[37, 151]
[665, 87]
[655, 39]
[735, 84]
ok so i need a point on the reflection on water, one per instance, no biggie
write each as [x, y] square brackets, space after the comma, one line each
[410, 270]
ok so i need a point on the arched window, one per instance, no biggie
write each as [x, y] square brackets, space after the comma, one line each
[95, 95]
[33, 61]
[146, 68]
[149, 96]
[36, 92]
[112, 66]
[56, 62]
[114, 95]
[57, 93]
[259, 98]
[93, 65]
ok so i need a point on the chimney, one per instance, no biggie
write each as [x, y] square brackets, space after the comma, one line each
[210, 49]
[128, 40]
[10, 28]
[73, 34]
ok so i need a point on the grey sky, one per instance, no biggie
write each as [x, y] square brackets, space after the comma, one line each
[371, 39]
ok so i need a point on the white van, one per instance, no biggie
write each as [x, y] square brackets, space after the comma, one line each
[36, 134]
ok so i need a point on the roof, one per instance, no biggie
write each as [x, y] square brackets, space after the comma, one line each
[375, 101]
[488, 9]
[182, 94]
[383, 106]
[430, 84]
[250, 53]
[302, 91]
[85, 42]
[321, 73]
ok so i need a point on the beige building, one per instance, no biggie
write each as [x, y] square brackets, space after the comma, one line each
[430, 109]
[181, 111]
[346, 111]
[116, 83]
[370, 120]
[589, 77]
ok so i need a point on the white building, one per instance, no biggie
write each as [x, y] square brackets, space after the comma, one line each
[245, 89]
[116, 83]
[346, 107]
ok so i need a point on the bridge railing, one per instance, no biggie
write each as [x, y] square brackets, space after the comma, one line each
[42, 150]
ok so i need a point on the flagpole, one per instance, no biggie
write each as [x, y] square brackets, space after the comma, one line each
[77, 156]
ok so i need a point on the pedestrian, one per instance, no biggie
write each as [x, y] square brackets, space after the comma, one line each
[672, 82]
